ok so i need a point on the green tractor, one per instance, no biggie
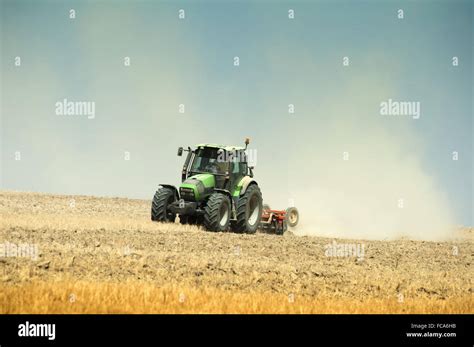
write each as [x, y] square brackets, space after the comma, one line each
[217, 191]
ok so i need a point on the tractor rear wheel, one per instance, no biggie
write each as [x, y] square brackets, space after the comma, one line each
[249, 210]
[159, 207]
[217, 212]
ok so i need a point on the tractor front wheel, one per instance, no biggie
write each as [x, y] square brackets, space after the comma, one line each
[159, 207]
[217, 212]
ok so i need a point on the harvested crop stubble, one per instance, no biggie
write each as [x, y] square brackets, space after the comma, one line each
[105, 255]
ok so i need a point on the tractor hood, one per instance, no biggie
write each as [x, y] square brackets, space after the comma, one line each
[198, 186]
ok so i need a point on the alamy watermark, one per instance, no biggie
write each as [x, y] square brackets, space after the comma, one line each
[237, 156]
[22, 250]
[400, 108]
[28, 329]
[345, 250]
[75, 108]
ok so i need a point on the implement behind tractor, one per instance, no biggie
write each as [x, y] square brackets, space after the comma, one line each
[277, 221]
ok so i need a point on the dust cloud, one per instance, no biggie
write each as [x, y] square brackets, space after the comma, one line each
[353, 173]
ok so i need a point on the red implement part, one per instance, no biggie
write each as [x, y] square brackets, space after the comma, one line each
[278, 214]
[273, 220]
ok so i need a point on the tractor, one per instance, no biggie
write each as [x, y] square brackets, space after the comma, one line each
[217, 191]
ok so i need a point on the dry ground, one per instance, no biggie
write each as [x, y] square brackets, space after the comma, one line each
[104, 255]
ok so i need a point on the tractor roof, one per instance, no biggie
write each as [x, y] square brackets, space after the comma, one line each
[227, 148]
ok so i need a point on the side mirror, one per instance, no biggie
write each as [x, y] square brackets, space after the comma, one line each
[180, 151]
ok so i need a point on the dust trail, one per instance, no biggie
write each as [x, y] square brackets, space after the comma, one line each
[357, 174]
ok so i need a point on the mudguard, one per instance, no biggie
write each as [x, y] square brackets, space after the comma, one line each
[173, 188]
[245, 182]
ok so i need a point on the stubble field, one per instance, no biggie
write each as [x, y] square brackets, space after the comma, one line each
[104, 255]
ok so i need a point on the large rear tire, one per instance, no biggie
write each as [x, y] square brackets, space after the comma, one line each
[249, 210]
[217, 212]
[159, 207]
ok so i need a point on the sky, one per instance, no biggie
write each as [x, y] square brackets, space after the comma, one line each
[349, 169]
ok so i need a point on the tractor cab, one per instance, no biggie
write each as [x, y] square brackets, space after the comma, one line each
[228, 164]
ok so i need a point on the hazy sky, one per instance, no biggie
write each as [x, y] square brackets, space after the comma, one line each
[282, 61]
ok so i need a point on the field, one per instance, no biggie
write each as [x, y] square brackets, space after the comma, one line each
[79, 254]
